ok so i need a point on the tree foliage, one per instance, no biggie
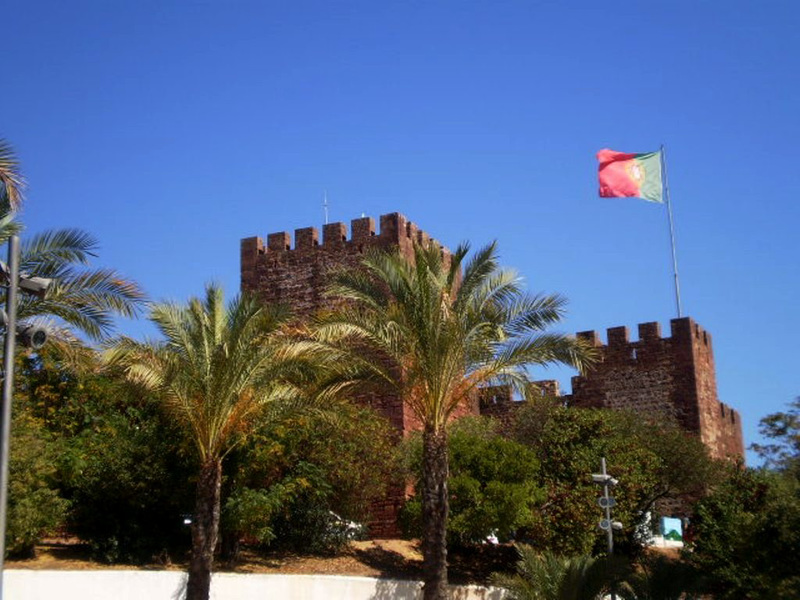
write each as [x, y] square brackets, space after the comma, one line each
[296, 481]
[747, 536]
[34, 504]
[659, 577]
[651, 461]
[112, 455]
[783, 429]
[493, 483]
[432, 337]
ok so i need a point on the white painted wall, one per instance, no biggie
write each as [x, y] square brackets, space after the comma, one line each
[168, 585]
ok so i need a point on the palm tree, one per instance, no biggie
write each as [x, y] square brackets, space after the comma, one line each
[418, 329]
[215, 371]
[10, 176]
[80, 297]
[547, 576]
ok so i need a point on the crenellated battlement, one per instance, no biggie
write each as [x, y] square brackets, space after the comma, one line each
[682, 329]
[395, 230]
[498, 402]
[672, 377]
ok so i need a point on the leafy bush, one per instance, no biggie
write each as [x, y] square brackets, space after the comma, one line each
[492, 483]
[299, 484]
[131, 488]
[747, 536]
[34, 506]
[115, 458]
[650, 460]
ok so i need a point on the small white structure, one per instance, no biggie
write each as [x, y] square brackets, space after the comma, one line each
[169, 585]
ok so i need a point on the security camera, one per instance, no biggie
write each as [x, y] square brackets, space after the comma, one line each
[32, 336]
[36, 286]
[28, 334]
[601, 479]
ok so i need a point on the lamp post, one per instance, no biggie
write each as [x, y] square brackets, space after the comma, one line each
[607, 502]
[30, 336]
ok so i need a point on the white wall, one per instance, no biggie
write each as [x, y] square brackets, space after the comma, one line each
[168, 585]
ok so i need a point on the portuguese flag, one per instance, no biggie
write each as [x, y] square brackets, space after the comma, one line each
[623, 174]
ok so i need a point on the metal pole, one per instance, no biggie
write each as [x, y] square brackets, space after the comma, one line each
[609, 533]
[8, 390]
[665, 183]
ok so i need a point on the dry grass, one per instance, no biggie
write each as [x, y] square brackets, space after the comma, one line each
[396, 559]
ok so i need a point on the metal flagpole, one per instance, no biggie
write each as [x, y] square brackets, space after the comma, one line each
[325, 206]
[665, 184]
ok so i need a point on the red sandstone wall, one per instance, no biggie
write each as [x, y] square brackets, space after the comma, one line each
[498, 402]
[672, 376]
[297, 275]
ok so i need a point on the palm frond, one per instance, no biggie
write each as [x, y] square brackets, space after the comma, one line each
[47, 252]
[12, 183]
[436, 337]
[219, 366]
[547, 576]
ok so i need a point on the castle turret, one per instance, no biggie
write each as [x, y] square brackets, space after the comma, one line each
[671, 376]
[297, 275]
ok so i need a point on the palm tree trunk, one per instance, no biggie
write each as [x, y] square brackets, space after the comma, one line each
[435, 507]
[205, 529]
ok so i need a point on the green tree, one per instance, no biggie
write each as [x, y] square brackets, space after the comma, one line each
[420, 330]
[34, 505]
[747, 536]
[112, 454]
[492, 486]
[783, 428]
[651, 461]
[298, 481]
[216, 369]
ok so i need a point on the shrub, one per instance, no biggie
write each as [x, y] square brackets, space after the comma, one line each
[34, 506]
[492, 483]
[300, 483]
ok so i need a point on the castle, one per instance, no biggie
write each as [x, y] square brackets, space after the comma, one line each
[663, 377]
[672, 376]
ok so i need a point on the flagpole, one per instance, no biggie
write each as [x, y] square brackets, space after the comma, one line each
[665, 183]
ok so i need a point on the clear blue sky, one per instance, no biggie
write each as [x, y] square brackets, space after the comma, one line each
[171, 130]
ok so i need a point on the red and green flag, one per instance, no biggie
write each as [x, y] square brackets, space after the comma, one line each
[623, 174]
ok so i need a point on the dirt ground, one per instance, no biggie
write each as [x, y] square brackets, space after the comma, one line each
[396, 559]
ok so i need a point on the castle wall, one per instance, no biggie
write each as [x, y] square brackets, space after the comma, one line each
[298, 274]
[498, 401]
[670, 377]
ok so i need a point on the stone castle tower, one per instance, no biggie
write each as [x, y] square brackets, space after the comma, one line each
[298, 275]
[670, 376]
